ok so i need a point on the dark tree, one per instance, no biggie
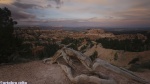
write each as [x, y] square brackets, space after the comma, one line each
[7, 39]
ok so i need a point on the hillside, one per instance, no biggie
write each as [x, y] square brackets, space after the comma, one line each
[36, 72]
[123, 57]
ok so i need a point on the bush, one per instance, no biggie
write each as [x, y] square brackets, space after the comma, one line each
[68, 40]
[50, 50]
[91, 45]
[75, 43]
[83, 47]
[42, 51]
[139, 67]
[116, 56]
[94, 56]
[133, 61]
[73, 46]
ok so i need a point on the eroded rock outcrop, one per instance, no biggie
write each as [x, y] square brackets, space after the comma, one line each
[80, 69]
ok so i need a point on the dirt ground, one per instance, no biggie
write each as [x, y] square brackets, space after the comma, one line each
[36, 72]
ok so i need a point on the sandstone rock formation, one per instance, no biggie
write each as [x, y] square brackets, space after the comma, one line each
[95, 31]
[80, 69]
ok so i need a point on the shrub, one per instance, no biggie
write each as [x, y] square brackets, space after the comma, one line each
[83, 47]
[116, 56]
[67, 40]
[133, 61]
[50, 50]
[94, 56]
[139, 67]
[75, 43]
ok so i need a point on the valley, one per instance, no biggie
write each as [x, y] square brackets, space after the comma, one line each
[41, 43]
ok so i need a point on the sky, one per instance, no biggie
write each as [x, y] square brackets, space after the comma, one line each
[79, 13]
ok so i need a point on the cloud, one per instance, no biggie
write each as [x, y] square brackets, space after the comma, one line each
[88, 12]
[58, 2]
[135, 13]
[24, 6]
[22, 15]
[36, 5]
[18, 13]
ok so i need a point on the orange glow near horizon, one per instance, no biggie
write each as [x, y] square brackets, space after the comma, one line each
[6, 1]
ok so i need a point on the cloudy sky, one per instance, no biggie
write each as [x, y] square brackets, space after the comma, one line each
[76, 13]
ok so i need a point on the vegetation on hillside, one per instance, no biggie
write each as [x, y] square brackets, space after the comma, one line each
[74, 42]
[13, 43]
[133, 45]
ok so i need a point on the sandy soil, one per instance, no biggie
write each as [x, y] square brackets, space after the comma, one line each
[34, 73]
[38, 73]
[123, 59]
[144, 74]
